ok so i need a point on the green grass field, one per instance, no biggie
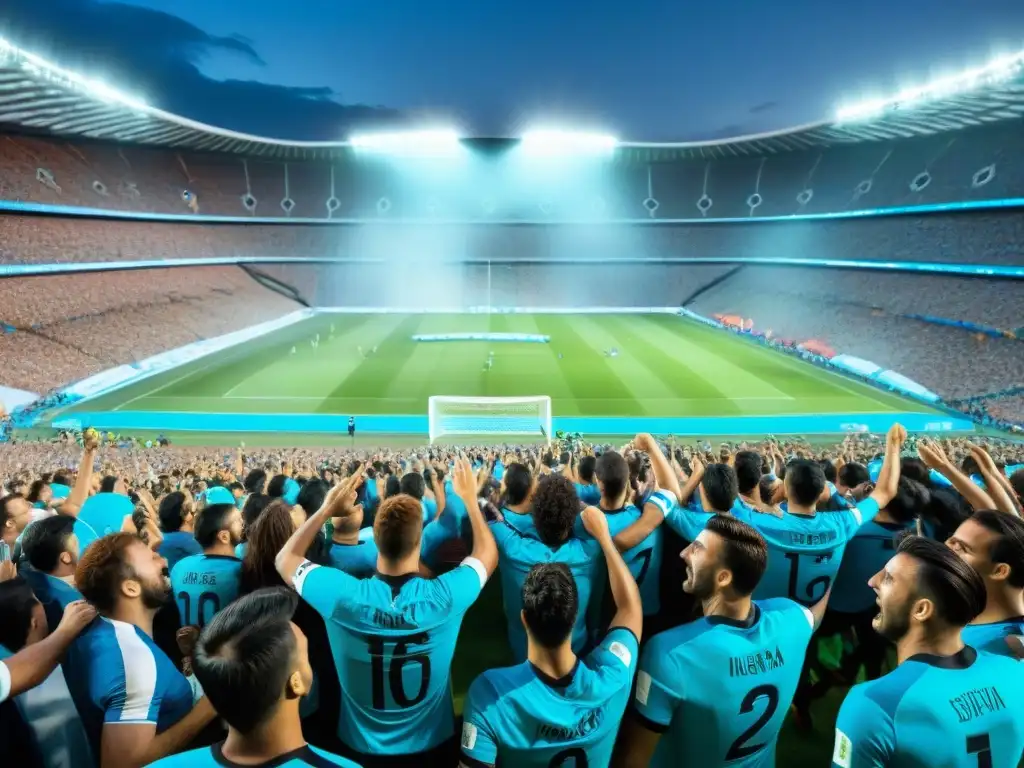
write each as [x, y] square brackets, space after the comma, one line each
[667, 366]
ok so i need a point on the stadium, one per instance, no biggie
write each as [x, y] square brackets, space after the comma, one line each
[217, 304]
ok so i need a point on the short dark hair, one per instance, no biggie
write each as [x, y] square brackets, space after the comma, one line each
[586, 468]
[518, 482]
[103, 568]
[60, 478]
[277, 485]
[854, 474]
[253, 508]
[720, 486]
[915, 469]
[805, 481]
[910, 499]
[172, 511]
[211, 521]
[392, 486]
[954, 586]
[398, 526]
[255, 480]
[5, 502]
[555, 508]
[1009, 544]
[745, 552]
[413, 484]
[829, 469]
[550, 603]
[46, 540]
[612, 471]
[16, 605]
[311, 496]
[107, 484]
[244, 656]
[748, 466]
[1017, 483]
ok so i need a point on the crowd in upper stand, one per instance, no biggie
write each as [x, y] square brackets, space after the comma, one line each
[915, 549]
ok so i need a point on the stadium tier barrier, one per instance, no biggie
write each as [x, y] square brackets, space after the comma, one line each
[932, 268]
[521, 337]
[337, 424]
[21, 206]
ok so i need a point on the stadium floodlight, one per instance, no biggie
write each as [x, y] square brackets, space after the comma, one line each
[999, 69]
[439, 141]
[498, 416]
[559, 142]
[39, 66]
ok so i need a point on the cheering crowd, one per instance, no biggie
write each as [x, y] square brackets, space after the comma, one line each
[189, 607]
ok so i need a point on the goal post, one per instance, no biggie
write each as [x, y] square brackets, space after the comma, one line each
[497, 416]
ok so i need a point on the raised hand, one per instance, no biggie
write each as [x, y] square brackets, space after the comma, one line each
[596, 523]
[464, 481]
[932, 455]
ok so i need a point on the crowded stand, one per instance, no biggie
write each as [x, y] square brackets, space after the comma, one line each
[146, 602]
[983, 163]
[61, 328]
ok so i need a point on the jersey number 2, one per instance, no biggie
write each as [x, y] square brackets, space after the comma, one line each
[400, 657]
[982, 747]
[739, 748]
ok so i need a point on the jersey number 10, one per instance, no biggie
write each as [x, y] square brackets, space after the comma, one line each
[392, 666]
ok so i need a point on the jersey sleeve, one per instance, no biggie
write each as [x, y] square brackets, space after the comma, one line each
[464, 584]
[616, 657]
[479, 742]
[323, 588]
[865, 736]
[129, 691]
[655, 700]
[852, 519]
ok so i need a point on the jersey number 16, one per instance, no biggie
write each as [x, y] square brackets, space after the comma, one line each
[392, 665]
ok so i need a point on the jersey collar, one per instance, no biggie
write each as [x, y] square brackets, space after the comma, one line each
[963, 659]
[747, 623]
[561, 682]
[304, 754]
[396, 582]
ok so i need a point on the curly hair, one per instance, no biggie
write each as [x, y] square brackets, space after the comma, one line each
[555, 508]
[267, 537]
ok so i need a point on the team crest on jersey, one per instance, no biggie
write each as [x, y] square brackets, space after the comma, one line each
[468, 735]
[843, 753]
[621, 652]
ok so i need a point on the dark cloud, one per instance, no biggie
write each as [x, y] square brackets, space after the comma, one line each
[764, 106]
[157, 56]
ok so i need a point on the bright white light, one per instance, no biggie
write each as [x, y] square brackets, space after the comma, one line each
[428, 142]
[39, 66]
[558, 142]
[998, 69]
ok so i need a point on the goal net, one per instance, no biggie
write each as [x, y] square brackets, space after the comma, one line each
[519, 416]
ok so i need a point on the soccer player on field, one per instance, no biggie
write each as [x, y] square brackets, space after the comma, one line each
[135, 704]
[255, 662]
[946, 704]
[556, 708]
[393, 635]
[993, 542]
[715, 691]
[551, 540]
[204, 584]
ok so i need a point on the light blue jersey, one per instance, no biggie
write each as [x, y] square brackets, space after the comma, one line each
[393, 639]
[589, 493]
[643, 560]
[177, 545]
[213, 757]
[203, 585]
[359, 560]
[866, 554]
[521, 718]
[105, 512]
[518, 553]
[992, 637]
[804, 551]
[117, 674]
[961, 711]
[718, 689]
[53, 593]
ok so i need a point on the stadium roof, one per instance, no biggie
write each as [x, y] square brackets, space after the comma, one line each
[38, 96]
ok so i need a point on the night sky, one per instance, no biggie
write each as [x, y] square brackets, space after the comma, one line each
[642, 70]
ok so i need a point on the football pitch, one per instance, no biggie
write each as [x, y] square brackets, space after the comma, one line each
[369, 364]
